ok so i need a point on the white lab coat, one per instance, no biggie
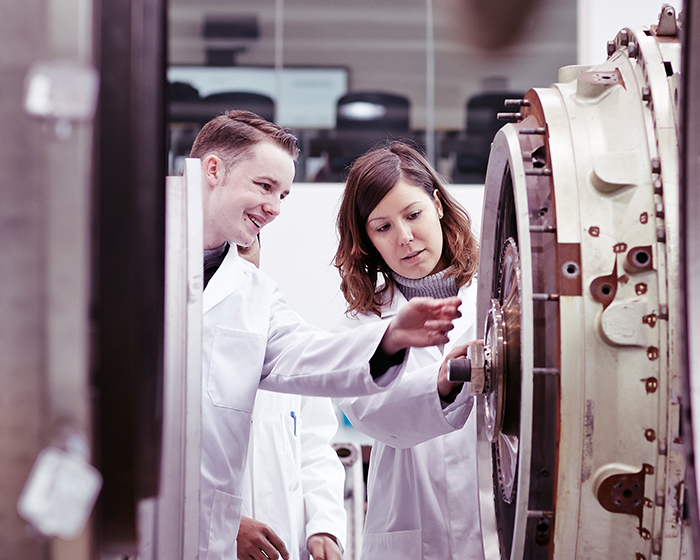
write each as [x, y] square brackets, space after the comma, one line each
[422, 492]
[294, 481]
[251, 338]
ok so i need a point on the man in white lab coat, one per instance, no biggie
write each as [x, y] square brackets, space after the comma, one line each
[251, 337]
[293, 490]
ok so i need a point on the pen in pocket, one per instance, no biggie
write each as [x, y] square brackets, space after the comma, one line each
[293, 415]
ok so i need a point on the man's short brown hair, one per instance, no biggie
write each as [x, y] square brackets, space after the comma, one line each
[231, 135]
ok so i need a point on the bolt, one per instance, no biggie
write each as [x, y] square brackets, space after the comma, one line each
[624, 38]
[632, 49]
[611, 48]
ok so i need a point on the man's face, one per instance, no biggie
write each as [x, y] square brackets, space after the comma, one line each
[249, 198]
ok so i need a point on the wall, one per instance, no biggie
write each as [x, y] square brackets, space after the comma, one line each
[298, 247]
[599, 21]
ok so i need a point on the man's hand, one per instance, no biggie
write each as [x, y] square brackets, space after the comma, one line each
[256, 540]
[323, 546]
[445, 387]
[421, 322]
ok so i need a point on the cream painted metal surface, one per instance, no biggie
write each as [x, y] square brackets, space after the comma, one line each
[583, 188]
[169, 525]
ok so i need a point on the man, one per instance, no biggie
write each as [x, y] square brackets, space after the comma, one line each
[294, 484]
[251, 338]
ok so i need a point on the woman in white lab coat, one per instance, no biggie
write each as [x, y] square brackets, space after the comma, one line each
[403, 235]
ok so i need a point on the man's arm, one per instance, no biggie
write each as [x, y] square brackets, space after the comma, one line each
[303, 359]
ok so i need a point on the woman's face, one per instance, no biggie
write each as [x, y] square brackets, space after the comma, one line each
[405, 228]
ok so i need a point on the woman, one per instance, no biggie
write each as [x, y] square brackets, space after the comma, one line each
[403, 235]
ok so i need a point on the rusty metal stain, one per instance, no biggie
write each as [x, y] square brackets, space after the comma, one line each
[650, 434]
[569, 256]
[594, 231]
[588, 429]
[652, 353]
[650, 319]
[604, 288]
[624, 493]
[651, 384]
[619, 248]
[640, 289]
[644, 217]
[677, 505]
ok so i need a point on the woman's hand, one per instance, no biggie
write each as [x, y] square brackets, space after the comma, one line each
[257, 541]
[445, 387]
[423, 321]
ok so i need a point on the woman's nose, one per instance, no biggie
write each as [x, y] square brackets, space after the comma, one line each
[405, 234]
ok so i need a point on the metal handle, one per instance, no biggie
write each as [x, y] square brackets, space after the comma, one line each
[459, 370]
[470, 369]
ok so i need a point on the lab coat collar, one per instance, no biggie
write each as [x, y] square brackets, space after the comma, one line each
[225, 281]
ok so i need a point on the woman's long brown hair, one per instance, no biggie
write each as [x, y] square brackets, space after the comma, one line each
[360, 265]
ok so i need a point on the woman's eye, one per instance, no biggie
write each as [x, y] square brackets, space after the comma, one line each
[383, 228]
[265, 186]
[414, 215]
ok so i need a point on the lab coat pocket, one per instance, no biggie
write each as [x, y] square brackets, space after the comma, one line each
[405, 545]
[223, 526]
[236, 356]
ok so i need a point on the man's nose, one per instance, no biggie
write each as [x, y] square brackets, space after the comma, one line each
[272, 206]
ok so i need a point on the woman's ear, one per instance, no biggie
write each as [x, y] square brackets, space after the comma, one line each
[438, 203]
[213, 169]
